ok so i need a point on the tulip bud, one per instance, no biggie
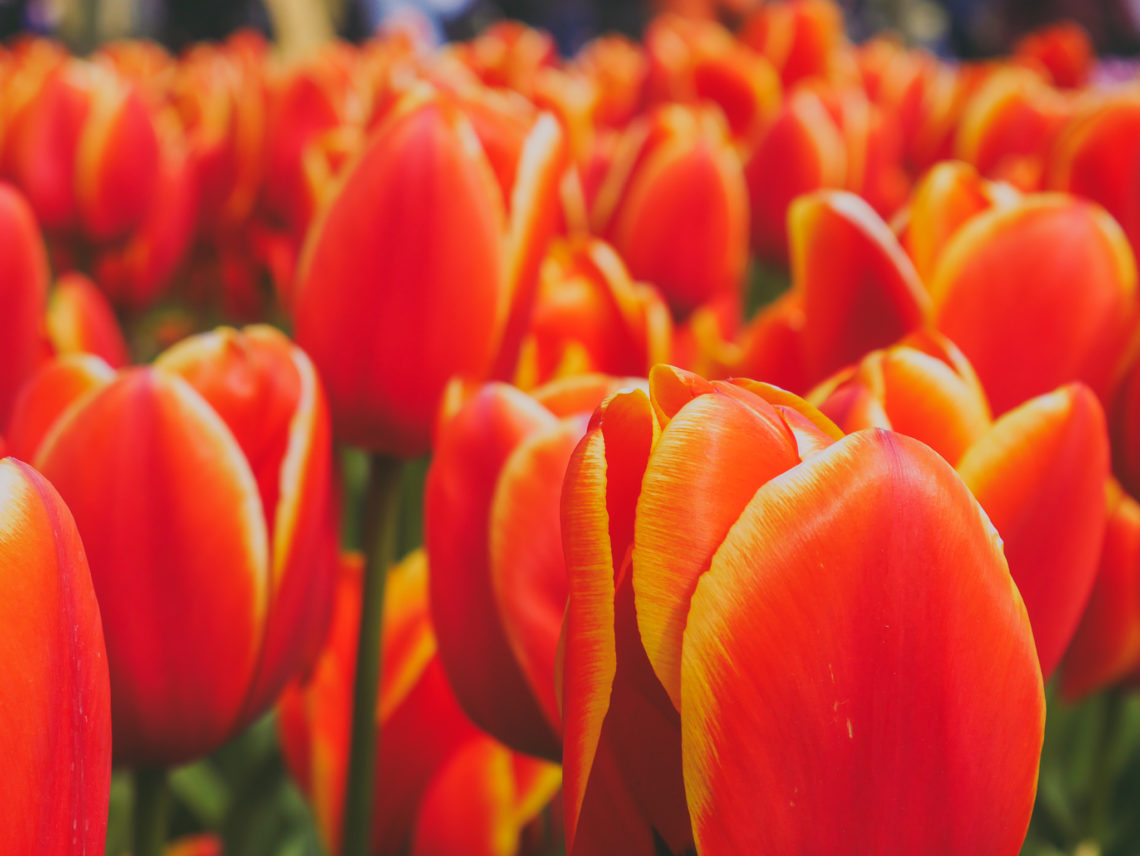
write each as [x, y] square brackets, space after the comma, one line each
[202, 631]
[675, 207]
[56, 740]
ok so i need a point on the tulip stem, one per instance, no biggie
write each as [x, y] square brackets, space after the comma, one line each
[1100, 802]
[377, 538]
[152, 810]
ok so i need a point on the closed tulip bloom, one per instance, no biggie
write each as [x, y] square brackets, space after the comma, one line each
[675, 206]
[55, 698]
[434, 298]
[923, 387]
[80, 320]
[1037, 294]
[443, 786]
[704, 656]
[498, 582]
[1064, 50]
[859, 290]
[1096, 157]
[23, 288]
[945, 199]
[1106, 647]
[1040, 474]
[210, 606]
[591, 316]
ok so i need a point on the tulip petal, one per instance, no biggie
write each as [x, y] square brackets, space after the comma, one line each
[705, 467]
[55, 700]
[1040, 475]
[860, 291]
[858, 669]
[471, 451]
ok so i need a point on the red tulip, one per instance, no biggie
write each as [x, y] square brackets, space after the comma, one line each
[23, 289]
[56, 739]
[1106, 646]
[859, 290]
[443, 787]
[80, 320]
[1037, 294]
[713, 508]
[675, 206]
[498, 583]
[389, 327]
[202, 632]
[1064, 50]
[590, 316]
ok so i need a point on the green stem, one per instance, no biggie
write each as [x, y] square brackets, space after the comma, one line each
[152, 811]
[377, 537]
[1100, 788]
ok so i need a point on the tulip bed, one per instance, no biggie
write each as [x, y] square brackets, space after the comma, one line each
[723, 443]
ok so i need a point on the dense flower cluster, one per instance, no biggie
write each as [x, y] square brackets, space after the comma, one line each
[784, 580]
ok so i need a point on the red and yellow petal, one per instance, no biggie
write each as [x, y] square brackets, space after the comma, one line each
[859, 289]
[886, 711]
[1040, 474]
[184, 613]
[55, 701]
[43, 401]
[708, 462]
[471, 450]
[80, 320]
[1050, 280]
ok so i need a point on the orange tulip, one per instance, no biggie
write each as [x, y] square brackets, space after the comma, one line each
[945, 199]
[498, 582]
[1106, 646]
[23, 294]
[443, 787]
[1039, 471]
[590, 316]
[803, 40]
[1037, 294]
[1096, 157]
[56, 739]
[80, 320]
[1063, 50]
[694, 61]
[697, 523]
[923, 388]
[859, 290]
[801, 151]
[675, 206]
[449, 284]
[202, 632]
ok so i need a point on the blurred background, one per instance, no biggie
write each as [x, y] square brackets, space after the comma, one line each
[962, 28]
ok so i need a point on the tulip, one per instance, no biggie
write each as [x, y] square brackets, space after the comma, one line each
[675, 206]
[1039, 471]
[1106, 646]
[801, 151]
[23, 288]
[56, 739]
[388, 328]
[1063, 50]
[944, 200]
[924, 388]
[803, 40]
[590, 316]
[1050, 279]
[1008, 126]
[1095, 157]
[80, 320]
[498, 583]
[444, 788]
[210, 607]
[696, 523]
[859, 290]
